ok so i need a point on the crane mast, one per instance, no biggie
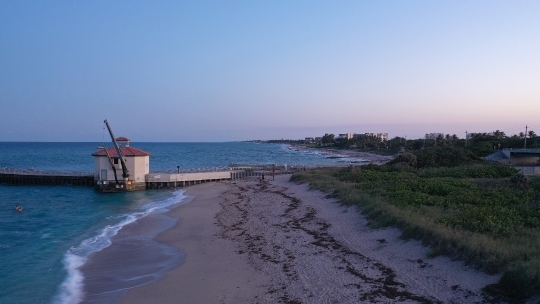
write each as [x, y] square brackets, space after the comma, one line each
[125, 172]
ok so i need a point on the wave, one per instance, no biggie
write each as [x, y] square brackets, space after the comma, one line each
[71, 290]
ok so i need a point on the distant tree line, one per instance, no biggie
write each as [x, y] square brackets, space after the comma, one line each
[364, 142]
[480, 144]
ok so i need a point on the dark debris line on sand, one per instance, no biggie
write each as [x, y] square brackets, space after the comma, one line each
[284, 238]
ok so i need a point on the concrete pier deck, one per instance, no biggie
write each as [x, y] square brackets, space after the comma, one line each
[174, 180]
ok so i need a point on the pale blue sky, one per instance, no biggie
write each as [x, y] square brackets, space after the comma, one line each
[239, 70]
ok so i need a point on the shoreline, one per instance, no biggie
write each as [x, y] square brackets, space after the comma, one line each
[368, 157]
[275, 241]
[213, 271]
[107, 273]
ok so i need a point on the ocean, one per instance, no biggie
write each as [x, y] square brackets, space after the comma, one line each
[47, 251]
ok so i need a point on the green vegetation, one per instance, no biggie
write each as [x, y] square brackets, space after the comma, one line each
[485, 214]
[448, 156]
[481, 144]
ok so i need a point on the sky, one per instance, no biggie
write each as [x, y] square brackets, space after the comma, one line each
[213, 71]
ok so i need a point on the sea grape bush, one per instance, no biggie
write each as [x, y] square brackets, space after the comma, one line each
[497, 211]
[471, 171]
[446, 156]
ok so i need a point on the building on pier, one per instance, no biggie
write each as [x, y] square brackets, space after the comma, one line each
[108, 168]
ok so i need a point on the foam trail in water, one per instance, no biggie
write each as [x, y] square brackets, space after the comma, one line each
[71, 290]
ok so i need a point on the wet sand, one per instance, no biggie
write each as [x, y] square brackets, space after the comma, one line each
[213, 271]
[109, 273]
[253, 241]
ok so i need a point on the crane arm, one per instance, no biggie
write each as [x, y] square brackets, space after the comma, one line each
[125, 172]
[110, 162]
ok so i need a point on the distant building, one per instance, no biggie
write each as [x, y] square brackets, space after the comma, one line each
[346, 136]
[433, 135]
[309, 140]
[527, 161]
[381, 136]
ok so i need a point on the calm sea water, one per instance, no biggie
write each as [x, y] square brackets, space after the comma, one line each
[43, 248]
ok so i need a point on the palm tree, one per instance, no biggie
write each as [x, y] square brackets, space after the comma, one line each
[499, 134]
[328, 139]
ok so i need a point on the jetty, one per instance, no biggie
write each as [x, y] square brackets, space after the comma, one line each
[41, 177]
[154, 180]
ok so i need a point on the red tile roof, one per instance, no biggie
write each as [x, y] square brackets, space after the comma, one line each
[127, 151]
[122, 139]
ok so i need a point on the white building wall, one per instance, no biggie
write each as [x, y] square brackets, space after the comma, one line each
[138, 167]
[102, 163]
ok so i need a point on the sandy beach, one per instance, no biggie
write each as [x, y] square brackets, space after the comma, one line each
[213, 271]
[253, 241]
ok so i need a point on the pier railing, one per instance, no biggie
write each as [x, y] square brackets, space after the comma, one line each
[195, 170]
[289, 167]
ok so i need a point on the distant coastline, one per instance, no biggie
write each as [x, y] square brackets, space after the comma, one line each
[367, 156]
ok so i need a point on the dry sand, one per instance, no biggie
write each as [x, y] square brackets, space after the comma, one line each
[253, 241]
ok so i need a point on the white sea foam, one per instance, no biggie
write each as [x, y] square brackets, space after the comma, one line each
[71, 290]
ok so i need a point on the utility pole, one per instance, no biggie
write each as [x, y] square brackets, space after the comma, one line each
[525, 144]
[466, 137]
